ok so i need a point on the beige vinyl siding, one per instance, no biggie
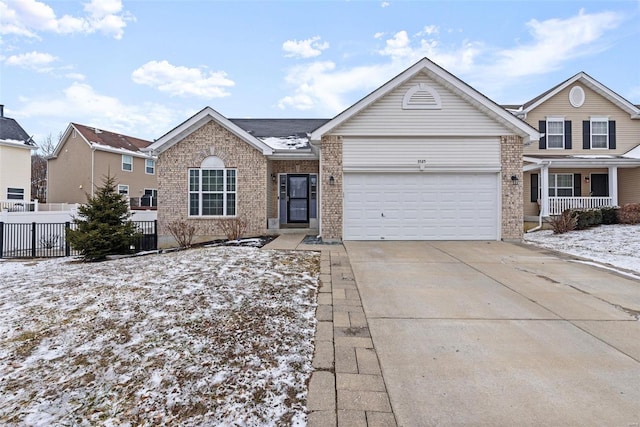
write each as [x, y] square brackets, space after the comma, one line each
[386, 117]
[406, 152]
[595, 105]
[15, 170]
[628, 186]
[137, 179]
[69, 174]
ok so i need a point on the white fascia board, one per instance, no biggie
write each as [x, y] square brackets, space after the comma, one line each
[585, 162]
[594, 85]
[524, 130]
[201, 118]
[106, 148]
[17, 144]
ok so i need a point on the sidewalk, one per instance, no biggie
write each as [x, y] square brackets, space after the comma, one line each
[346, 388]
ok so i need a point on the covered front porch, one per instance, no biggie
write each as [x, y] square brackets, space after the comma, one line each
[577, 182]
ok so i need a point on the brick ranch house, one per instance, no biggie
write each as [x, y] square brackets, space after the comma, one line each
[423, 157]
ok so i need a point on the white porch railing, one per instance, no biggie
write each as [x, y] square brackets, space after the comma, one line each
[557, 205]
[18, 206]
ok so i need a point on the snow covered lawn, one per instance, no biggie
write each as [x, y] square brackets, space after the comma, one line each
[617, 245]
[208, 336]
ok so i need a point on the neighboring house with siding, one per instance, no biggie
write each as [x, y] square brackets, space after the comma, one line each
[85, 155]
[589, 153]
[15, 162]
[423, 157]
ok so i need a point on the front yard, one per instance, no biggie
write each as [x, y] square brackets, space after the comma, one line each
[208, 336]
[617, 245]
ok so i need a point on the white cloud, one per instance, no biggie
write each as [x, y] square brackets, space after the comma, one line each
[556, 41]
[81, 103]
[33, 60]
[429, 30]
[329, 88]
[29, 17]
[75, 76]
[385, 4]
[308, 48]
[183, 81]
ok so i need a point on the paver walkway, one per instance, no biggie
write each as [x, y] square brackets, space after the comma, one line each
[347, 388]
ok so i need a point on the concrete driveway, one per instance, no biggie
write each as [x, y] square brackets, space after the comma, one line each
[493, 333]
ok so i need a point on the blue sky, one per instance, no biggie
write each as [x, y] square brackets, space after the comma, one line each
[143, 67]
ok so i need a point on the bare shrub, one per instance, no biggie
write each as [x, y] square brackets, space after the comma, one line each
[564, 222]
[182, 232]
[233, 228]
[629, 214]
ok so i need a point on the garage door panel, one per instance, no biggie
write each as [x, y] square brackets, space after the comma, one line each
[421, 206]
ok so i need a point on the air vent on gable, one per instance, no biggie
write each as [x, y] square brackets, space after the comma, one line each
[576, 96]
[421, 97]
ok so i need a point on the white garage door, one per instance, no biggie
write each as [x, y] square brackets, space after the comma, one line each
[421, 206]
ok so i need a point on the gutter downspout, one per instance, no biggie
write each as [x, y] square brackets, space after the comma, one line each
[93, 151]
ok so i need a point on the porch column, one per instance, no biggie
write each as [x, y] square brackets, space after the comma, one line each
[544, 194]
[613, 185]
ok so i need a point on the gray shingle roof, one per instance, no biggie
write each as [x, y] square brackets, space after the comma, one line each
[11, 130]
[279, 128]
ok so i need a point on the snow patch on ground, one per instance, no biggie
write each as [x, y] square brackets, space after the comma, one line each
[208, 336]
[617, 245]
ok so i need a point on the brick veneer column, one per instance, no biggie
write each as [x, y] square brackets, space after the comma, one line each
[511, 151]
[331, 211]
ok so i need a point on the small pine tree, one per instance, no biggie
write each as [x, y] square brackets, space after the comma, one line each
[103, 226]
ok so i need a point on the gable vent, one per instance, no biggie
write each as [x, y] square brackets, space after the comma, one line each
[421, 97]
[576, 96]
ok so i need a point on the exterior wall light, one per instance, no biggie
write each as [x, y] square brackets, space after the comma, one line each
[332, 180]
[514, 179]
[273, 178]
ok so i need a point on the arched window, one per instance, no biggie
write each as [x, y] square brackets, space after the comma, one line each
[212, 189]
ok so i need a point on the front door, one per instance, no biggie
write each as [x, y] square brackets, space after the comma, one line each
[298, 198]
[600, 185]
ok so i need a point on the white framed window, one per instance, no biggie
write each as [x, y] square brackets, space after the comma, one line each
[127, 163]
[150, 166]
[15, 193]
[555, 132]
[212, 192]
[599, 132]
[123, 189]
[560, 185]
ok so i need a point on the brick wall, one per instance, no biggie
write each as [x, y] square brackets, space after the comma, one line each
[331, 208]
[172, 169]
[511, 149]
[286, 166]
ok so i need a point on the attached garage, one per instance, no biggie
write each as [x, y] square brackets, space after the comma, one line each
[421, 206]
[424, 157]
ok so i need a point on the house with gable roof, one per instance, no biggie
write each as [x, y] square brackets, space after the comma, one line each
[423, 157]
[85, 155]
[15, 162]
[589, 152]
